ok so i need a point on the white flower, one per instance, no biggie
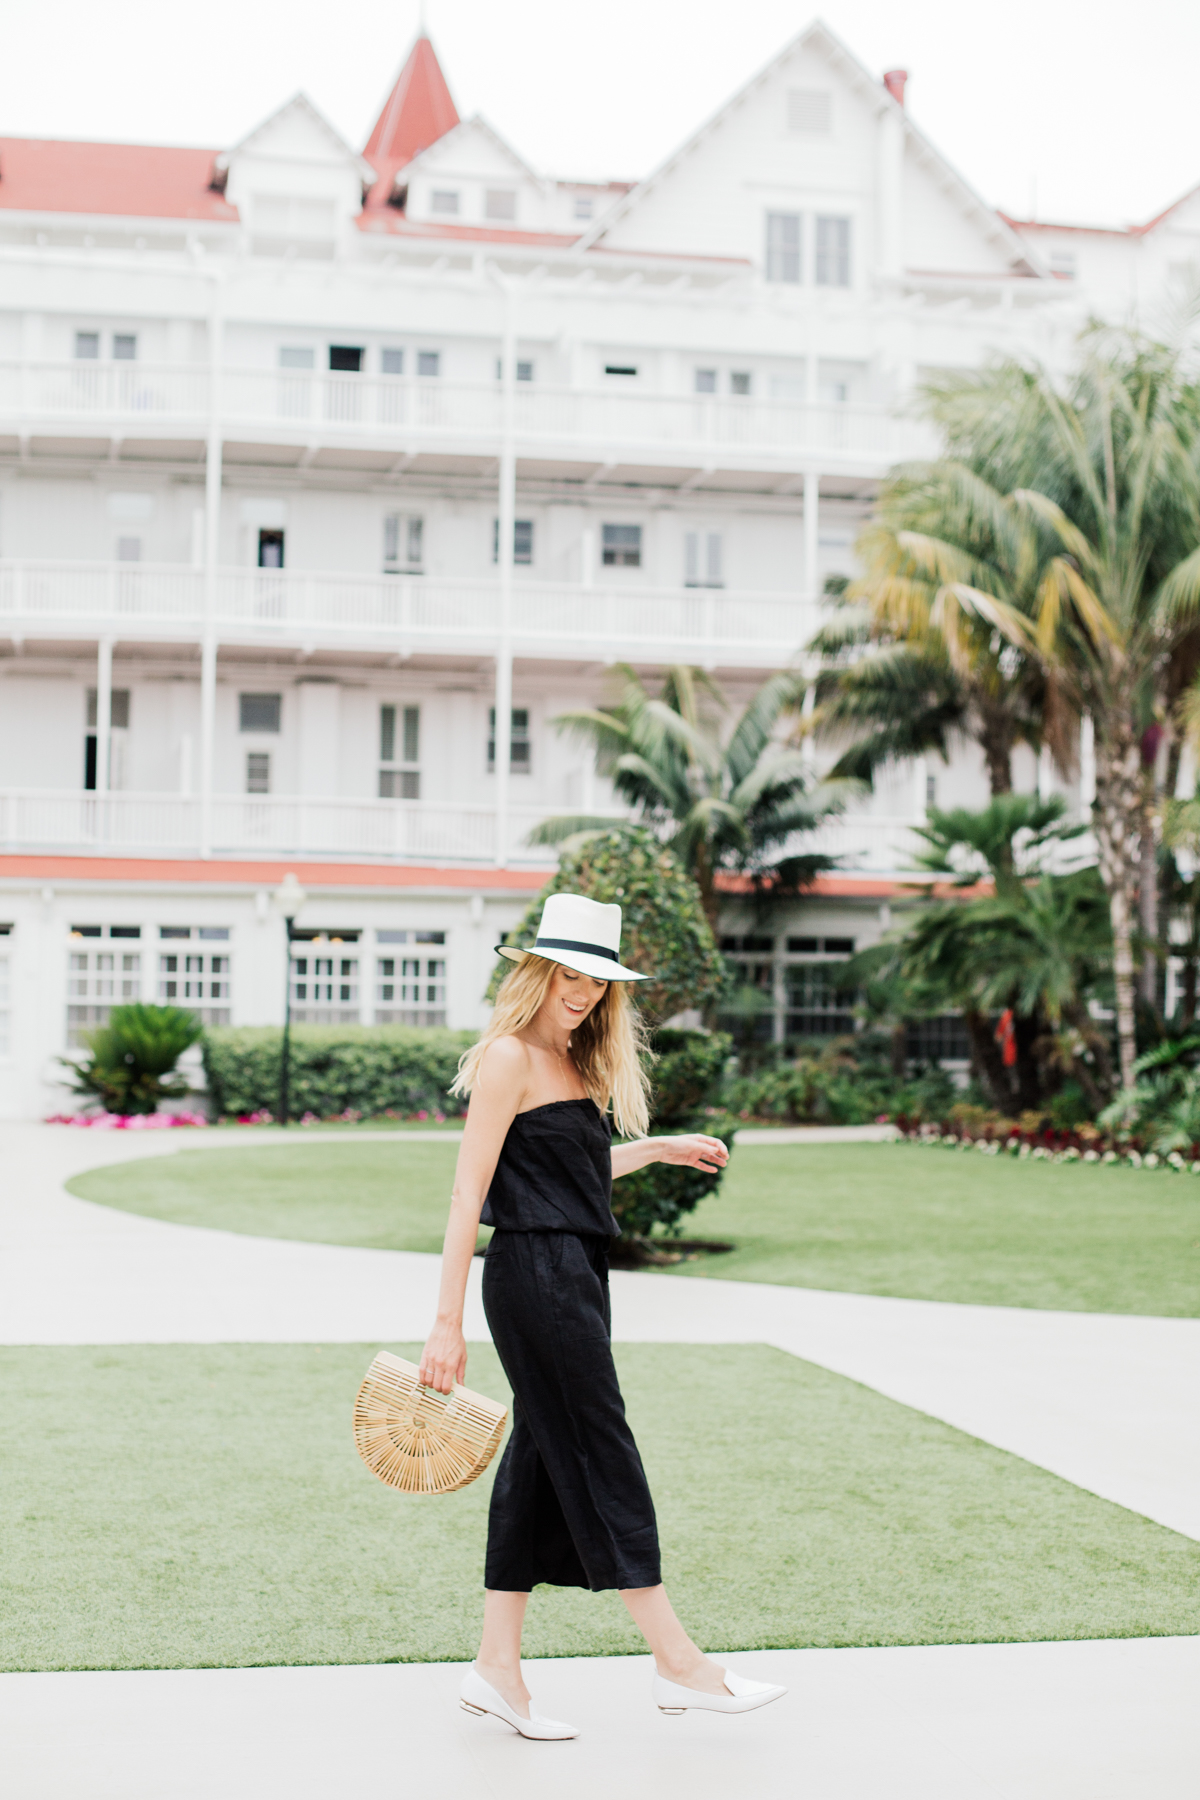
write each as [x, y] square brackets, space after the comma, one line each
[1175, 1160]
[1150, 1162]
[1134, 1160]
[1110, 1156]
[1024, 1151]
[1041, 1154]
[1090, 1156]
[1070, 1154]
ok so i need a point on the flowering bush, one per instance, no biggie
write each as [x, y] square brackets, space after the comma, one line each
[155, 1121]
[972, 1127]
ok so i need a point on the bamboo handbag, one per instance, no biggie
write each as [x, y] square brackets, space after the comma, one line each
[418, 1440]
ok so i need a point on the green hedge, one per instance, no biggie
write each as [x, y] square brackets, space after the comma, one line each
[334, 1069]
[687, 1081]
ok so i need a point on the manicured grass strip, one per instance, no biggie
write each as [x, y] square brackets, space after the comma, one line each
[384, 1196]
[859, 1218]
[954, 1225]
[197, 1505]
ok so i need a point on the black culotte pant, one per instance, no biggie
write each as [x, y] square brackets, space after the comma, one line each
[570, 1504]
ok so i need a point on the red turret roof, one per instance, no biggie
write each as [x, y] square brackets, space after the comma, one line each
[418, 111]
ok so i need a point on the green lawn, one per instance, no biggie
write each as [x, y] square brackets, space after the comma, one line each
[860, 1218]
[198, 1506]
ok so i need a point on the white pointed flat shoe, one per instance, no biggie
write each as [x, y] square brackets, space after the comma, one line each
[742, 1696]
[479, 1697]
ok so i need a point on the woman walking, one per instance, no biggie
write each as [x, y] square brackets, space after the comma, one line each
[570, 1505]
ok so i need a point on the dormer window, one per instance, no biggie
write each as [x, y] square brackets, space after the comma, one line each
[585, 206]
[445, 201]
[500, 203]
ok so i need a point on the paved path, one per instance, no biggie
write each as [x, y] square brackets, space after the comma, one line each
[1115, 1720]
[1109, 1402]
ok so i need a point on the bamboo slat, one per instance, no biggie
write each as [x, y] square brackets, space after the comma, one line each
[418, 1440]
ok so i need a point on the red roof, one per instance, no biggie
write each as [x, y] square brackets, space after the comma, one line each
[258, 874]
[418, 111]
[130, 180]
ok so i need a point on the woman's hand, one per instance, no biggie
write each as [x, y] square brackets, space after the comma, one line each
[444, 1358]
[694, 1152]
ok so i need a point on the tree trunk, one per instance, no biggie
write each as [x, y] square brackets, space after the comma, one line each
[989, 1063]
[1117, 820]
[1148, 909]
[996, 742]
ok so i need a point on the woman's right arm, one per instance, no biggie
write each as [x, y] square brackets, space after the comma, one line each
[495, 1101]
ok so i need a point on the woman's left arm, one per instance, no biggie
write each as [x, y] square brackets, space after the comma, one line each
[694, 1152]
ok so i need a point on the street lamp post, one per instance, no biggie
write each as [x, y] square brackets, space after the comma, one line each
[289, 898]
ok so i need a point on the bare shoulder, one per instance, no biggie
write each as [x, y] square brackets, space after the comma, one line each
[505, 1060]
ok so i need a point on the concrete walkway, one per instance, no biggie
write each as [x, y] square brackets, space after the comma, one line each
[1115, 1720]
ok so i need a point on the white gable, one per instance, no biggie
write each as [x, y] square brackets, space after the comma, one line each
[809, 136]
[486, 179]
[293, 179]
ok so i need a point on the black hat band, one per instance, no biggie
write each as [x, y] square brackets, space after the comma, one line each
[575, 944]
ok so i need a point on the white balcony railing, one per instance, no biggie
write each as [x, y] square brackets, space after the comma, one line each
[405, 831]
[394, 409]
[284, 605]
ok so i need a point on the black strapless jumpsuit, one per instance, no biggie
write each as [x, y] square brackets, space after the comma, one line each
[570, 1504]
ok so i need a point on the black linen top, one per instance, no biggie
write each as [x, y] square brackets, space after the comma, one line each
[555, 1172]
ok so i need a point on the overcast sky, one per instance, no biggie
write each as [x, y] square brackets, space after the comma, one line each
[1084, 112]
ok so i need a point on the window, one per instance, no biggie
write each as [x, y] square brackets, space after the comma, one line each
[444, 200]
[410, 989]
[584, 206]
[400, 753]
[391, 362]
[282, 218]
[810, 111]
[834, 393]
[403, 542]
[500, 203]
[98, 980]
[197, 979]
[626, 369]
[621, 546]
[940, 1039]
[124, 347]
[522, 540]
[833, 252]
[129, 549]
[217, 934]
[519, 759]
[429, 362]
[816, 1005]
[783, 247]
[706, 381]
[324, 977]
[702, 559]
[812, 946]
[87, 346]
[293, 356]
[523, 370]
[270, 549]
[118, 714]
[739, 383]
[258, 771]
[931, 790]
[259, 712]
[345, 359]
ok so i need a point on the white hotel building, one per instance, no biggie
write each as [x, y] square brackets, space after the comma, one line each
[316, 462]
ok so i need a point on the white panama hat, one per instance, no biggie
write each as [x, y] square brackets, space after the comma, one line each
[581, 935]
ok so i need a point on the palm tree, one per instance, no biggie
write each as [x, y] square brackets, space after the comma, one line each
[1036, 946]
[909, 664]
[721, 802]
[1099, 490]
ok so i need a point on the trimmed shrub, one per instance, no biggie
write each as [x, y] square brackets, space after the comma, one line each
[334, 1069]
[687, 1079]
[663, 927]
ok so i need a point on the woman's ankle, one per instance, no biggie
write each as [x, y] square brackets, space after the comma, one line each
[681, 1666]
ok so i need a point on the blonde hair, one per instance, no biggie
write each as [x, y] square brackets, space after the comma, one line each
[607, 1049]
